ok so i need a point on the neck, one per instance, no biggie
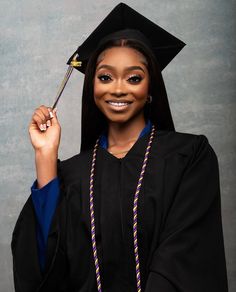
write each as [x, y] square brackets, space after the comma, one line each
[122, 133]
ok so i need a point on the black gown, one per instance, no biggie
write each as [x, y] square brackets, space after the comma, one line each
[179, 223]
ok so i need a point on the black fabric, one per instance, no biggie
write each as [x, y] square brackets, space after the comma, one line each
[179, 225]
[165, 46]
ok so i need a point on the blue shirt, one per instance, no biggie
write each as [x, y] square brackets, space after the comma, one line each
[45, 201]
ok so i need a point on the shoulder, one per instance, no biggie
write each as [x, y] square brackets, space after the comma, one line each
[70, 170]
[177, 139]
[184, 144]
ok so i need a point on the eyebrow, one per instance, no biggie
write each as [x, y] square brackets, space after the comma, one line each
[131, 68]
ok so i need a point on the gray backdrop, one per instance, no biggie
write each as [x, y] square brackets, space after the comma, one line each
[38, 36]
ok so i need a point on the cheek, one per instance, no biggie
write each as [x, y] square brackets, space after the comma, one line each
[141, 92]
[98, 90]
[95, 88]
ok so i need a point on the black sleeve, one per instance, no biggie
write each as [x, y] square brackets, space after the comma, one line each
[26, 269]
[190, 256]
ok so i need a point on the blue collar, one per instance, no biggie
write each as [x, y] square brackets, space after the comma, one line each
[146, 130]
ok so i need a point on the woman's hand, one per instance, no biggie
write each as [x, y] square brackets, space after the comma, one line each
[45, 130]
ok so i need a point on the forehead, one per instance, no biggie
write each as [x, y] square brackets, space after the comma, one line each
[124, 55]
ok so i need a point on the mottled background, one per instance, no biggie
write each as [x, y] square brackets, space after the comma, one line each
[38, 36]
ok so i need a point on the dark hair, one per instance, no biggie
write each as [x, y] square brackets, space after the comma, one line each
[94, 122]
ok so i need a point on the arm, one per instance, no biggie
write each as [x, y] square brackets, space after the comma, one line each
[190, 256]
[45, 137]
[45, 131]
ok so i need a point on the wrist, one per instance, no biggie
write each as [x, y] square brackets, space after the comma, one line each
[46, 166]
[47, 152]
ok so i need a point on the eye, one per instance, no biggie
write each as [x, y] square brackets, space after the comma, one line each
[135, 79]
[105, 77]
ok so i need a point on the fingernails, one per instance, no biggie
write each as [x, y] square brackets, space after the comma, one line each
[55, 110]
[48, 123]
[50, 113]
[43, 127]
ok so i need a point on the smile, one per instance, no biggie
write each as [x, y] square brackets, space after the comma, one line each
[118, 103]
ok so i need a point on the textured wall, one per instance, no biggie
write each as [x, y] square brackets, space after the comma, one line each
[38, 36]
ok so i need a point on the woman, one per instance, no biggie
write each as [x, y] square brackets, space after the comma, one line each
[140, 210]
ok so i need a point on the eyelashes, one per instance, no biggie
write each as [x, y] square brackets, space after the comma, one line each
[133, 79]
[105, 77]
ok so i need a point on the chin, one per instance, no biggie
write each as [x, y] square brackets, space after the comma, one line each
[123, 118]
[118, 120]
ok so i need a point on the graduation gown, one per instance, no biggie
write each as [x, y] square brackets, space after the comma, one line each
[179, 223]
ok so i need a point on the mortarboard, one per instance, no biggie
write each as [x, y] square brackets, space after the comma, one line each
[164, 45]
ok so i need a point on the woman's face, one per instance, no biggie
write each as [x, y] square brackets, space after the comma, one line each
[121, 84]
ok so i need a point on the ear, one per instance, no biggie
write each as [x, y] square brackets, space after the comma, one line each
[149, 99]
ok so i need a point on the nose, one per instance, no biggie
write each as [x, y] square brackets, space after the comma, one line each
[119, 89]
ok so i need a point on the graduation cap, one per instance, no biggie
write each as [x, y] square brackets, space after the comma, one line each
[164, 45]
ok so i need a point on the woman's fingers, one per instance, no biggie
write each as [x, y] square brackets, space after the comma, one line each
[38, 120]
[42, 116]
[48, 123]
[44, 129]
[53, 116]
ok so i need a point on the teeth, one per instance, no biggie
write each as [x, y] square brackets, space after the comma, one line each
[118, 103]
